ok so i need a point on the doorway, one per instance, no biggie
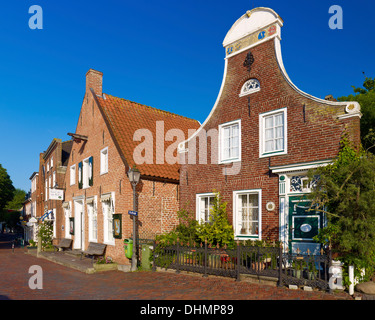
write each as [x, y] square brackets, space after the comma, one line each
[79, 219]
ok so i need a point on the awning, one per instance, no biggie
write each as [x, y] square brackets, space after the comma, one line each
[48, 215]
[90, 200]
[105, 197]
[65, 204]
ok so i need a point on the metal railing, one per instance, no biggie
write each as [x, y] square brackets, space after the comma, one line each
[261, 261]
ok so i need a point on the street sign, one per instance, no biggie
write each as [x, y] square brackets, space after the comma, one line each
[133, 213]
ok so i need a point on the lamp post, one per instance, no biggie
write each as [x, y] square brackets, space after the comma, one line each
[134, 177]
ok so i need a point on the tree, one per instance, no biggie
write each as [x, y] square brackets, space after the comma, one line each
[218, 230]
[345, 191]
[18, 200]
[6, 188]
[366, 98]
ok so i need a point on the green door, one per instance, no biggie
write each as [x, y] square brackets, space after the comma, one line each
[304, 224]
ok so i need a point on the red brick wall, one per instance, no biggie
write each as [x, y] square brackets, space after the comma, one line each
[157, 201]
[315, 138]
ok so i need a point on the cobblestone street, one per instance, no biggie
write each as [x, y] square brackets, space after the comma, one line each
[63, 283]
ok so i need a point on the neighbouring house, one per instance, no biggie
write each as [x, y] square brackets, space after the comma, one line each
[260, 139]
[35, 206]
[113, 135]
[50, 189]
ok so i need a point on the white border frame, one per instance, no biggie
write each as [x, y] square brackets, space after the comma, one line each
[223, 125]
[100, 159]
[251, 191]
[261, 133]
[197, 204]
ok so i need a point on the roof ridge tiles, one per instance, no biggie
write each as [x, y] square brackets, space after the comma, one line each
[153, 108]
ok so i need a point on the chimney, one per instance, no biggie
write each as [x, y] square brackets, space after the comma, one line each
[330, 98]
[94, 80]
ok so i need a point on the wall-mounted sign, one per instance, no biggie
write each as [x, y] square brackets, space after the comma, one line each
[133, 213]
[117, 226]
[56, 194]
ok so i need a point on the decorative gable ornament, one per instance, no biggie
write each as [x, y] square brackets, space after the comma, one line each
[270, 206]
[249, 60]
[250, 86]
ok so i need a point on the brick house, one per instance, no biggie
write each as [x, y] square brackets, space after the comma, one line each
[52, 170]
[113, 135]
[35, 204]
[264, 134]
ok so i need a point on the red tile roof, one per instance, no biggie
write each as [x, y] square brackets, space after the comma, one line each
[124, 117]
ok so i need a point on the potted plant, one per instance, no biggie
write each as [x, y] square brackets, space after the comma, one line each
[298, 266]
[311, 270]
[105, 264]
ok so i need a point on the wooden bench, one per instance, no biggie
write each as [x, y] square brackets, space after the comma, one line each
[94, 250]
[64, 244]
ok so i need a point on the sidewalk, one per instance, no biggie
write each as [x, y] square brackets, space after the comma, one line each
[69, 283]
[66, 259]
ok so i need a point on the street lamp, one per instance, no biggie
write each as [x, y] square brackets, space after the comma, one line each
[134, 177]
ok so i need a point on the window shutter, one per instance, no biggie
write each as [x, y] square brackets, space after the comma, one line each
[91, 172]
[80, 177]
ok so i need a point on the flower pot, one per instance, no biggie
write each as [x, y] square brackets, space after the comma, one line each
[311, 275]
[297, 273]
[105, 266]
[257, 266]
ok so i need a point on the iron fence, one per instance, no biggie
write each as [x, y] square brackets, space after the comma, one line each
[261, 261]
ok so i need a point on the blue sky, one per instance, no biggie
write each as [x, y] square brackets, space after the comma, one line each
[165, 54]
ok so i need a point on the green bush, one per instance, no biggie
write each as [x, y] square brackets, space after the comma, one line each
[45, 232]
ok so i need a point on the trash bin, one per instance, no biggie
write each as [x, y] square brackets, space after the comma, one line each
[145, 259]
[128, 246]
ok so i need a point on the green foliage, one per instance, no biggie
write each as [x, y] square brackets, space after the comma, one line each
[6, 188]
[218, 230]
[346, 193]
[366, 98]
[18, 199]
[46, 233]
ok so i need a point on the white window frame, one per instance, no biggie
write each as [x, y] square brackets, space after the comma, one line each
[86, 172]
[54, 179]
[237, 220]
[67, 214]
[92, 213]
[221, 141]
[46, 190]
[73, 174]
[104, 161]
[199, 213]
[250, 91]
[262, 117]
[108, 209]
[51, 162]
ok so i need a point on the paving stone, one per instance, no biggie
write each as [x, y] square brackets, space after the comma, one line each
[63, 283]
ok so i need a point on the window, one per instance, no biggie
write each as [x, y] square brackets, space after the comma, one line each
[66, 207]
[205, 204]
[72, 174]
[54, 179]
[250, 86]
[93, 219]
[46, 190]
[107, 201]
[230, 141]
[104, 161]
[51, 162]
[87, 173]
[273, 133]
[247, 213]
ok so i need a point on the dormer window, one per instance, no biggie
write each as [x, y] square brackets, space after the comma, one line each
[250, 86]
